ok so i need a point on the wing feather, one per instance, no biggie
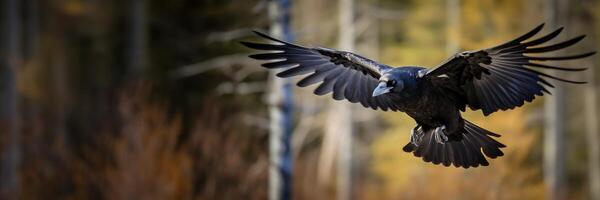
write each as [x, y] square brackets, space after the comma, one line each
[501, 77]
[346, 75]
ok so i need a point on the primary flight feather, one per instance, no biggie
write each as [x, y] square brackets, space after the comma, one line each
[498, 78]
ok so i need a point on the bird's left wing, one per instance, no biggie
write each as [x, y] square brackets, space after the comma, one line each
[501, 77]
[347, 75]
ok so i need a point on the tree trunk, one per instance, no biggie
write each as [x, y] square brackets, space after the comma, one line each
[453, 24]
[57, 63]
[554, 123]
[137, 37]
[592, 139]
[33, 29]
[280, 111]
[340, 121]
[11, 149]
[592, 130]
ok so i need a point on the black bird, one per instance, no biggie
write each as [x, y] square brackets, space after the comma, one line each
[492, 79]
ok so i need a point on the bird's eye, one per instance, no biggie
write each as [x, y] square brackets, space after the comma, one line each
[391, 83]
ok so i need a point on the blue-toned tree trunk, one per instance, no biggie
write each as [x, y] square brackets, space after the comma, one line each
[280, 108]
[11, 59]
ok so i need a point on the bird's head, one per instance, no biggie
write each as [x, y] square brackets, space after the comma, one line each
[388, 83]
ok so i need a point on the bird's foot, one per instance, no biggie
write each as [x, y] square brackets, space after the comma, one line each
[416, 136]
[440, 135]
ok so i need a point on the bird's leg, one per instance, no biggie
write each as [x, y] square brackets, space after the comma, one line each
[440, 135]
[417, 135]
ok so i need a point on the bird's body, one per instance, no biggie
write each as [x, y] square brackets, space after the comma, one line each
[417, 98]
[492, 79]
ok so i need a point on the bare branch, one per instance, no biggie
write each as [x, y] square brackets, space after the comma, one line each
[241, 88]
[218, 62]
[226, 36]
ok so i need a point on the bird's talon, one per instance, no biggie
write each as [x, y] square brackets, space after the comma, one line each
[416, 136]
[440, 135]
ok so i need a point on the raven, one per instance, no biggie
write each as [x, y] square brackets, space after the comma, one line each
[492, 79]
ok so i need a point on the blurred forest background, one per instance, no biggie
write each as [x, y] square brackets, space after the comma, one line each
[152, 99]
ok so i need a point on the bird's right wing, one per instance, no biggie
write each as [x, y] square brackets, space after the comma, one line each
[347, 75]
[501, 78]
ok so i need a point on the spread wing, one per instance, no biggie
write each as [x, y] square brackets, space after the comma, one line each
[502, 77]
[347, 75]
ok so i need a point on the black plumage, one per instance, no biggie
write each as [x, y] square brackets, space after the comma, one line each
[498, 78]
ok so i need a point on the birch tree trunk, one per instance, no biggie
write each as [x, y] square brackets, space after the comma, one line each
[592, 131]
[11, 155]
[453, 24]
[280, 111]
[340, 115]
[592, 138]
[554, 123]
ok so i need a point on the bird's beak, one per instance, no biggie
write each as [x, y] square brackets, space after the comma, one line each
[382, 88]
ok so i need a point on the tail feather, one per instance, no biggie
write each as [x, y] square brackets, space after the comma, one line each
[469, 151]
[448, 155]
